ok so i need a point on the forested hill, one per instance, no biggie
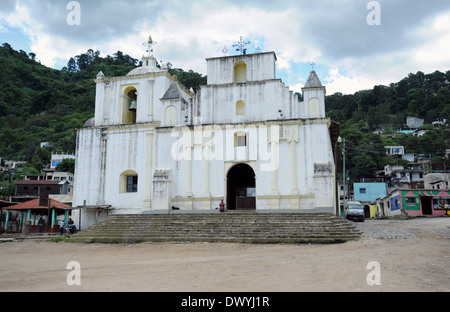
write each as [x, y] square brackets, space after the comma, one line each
[420, 95]
[425, 96]
[40, 104]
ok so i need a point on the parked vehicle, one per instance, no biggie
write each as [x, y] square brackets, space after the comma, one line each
[354, 211]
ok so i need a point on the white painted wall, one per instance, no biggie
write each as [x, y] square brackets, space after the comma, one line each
[109, 148]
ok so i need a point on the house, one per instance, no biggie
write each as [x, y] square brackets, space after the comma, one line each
[29, 213]
[244, 138]
[29, 189]
[437, 180]
[408, 176]
[56, 159]
[369, 191]
[415, 202]
[395, 150]
[439, 123]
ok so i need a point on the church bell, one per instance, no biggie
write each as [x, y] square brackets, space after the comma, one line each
[133, 105]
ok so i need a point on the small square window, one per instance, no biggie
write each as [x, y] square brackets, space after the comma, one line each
[242, 140]
[362, 190]
[132, 184]
[410, 201]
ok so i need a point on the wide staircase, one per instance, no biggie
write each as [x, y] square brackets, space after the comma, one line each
[237, 227]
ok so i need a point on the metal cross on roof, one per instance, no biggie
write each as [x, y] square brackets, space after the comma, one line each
[240, 46]
[150, 44]
[312, 65]
[225, 50]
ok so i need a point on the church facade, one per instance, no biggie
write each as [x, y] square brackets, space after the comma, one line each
[244, 138]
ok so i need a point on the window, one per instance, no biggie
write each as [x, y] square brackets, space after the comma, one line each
[128, 182]
[362, 190]
[132, 184]
[240, 108]
[240, 139]
[410, 201]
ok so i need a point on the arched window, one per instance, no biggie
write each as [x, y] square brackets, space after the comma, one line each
[240, 108]
[129, 105]
[240, 72]
[314, 108]
[240, 139]
[170, 116]
[128, 182]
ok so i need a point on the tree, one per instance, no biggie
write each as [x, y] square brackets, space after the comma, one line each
[41, 158]
[67, 165]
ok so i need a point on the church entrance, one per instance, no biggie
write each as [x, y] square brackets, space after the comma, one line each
[241, 191]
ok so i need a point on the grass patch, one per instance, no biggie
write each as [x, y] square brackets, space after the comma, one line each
[60, 238]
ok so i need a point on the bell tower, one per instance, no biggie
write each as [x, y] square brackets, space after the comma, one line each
[314, 97]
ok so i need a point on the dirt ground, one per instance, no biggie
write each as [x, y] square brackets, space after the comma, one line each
[421, 263]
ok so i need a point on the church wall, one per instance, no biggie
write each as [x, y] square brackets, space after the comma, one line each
[109, 99]
[259, 67]
[87, 185]
[262, 100]
[303, 174]
[308, 94]
[126, 152]
[318, 164]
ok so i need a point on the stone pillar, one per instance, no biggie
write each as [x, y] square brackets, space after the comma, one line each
[162, 189]
[207, 170]
[150, 99]
[106, 104]
[187, 145]
[295, 202]
[148, 170]
[207, 175]
[274, 150]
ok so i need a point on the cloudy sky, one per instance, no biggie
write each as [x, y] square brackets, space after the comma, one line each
[355, 44]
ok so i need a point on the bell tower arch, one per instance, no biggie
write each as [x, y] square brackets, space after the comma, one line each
[129, 104]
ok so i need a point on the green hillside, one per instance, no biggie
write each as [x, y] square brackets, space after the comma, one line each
[40, 104]
[425, 96]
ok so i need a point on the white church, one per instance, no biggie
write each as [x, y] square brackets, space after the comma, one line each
[243, 138]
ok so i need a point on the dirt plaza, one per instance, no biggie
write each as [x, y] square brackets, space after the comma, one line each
[413, 255]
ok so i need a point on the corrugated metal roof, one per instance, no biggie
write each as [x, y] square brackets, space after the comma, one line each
[62, 198]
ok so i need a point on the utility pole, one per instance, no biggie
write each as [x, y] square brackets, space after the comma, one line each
[344, 177]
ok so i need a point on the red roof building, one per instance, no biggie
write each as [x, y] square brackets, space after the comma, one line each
[48, 209]
[34, 205]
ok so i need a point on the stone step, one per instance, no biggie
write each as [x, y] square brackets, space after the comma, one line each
[247, 227]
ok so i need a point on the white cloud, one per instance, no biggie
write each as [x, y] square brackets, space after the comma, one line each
[434, 53]
[336, 82]
[353, 55]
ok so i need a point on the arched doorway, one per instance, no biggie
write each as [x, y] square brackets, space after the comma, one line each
[241, 191]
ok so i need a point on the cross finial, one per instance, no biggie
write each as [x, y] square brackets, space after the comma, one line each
[312, 65]
[240, 46]
[225, 50]
[150, 44]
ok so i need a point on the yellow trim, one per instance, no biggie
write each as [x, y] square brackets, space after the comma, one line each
[308, 196]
